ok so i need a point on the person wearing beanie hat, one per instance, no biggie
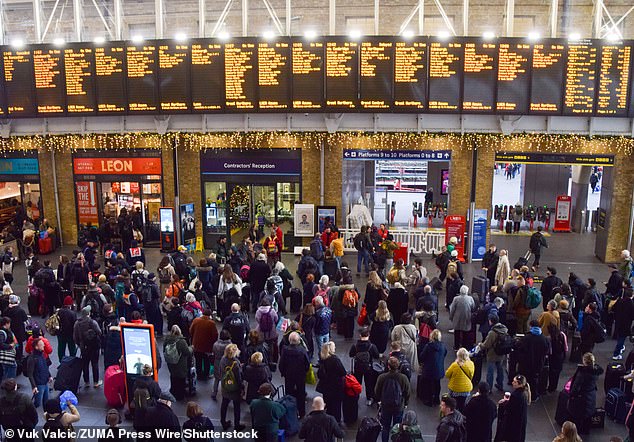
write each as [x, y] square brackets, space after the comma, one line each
[24, 414]
[266, 413]
[53, 412]
[161, 416]
[87, 334]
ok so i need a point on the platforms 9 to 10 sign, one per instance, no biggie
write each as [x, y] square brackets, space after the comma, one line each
[288, 74]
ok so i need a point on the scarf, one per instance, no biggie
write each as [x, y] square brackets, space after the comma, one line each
[536, 331]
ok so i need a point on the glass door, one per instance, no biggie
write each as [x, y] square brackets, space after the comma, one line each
[240, 212]
[151, 202]
[263, 197]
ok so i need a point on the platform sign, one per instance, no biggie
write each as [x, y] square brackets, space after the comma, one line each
[562, 213]
[400, 155]
[455, 226]
[479, 240]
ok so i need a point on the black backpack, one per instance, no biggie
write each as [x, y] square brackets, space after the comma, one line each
[54, 428]
[40, 279]
[503, 344]
[10, 415]
[96, 305]
[392, 395]
[358, 241]
[143, 290]
[362, 360]
[402, 436]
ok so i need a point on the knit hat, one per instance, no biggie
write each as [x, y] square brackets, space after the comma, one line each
[85, 312]
[14, 300]
[190, 297]
[166, 396]
[68, 300]
[261, 257]
[454, 253]
[151, 276]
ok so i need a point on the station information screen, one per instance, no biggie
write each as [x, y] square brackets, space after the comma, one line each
[207, 76]
[581, 76]
[110, 78]
[376, 69]
[307, 79]
[19, 82]
[3, 100]
[274, 75]
[480, 77]
[79, 70]
[241, 75]
[173, 74]
[547, 78]
[445, 75]
[410, 75]
[614, 76]
[514, 68]
[49, 80]
[141, 79]
[342, 73]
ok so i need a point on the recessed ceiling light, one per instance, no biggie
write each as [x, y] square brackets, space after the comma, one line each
[533, 35]
[354, 34]
[99, 40]
[408, 33]
[137, 38]
[310, 34]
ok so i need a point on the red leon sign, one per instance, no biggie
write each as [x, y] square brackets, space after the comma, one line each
[455, 226]
[86, 194]
[117, 166]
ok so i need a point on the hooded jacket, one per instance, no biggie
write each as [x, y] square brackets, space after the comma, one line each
[489, 342]
[432, 360]
[271, 334]
[583, 391]
[451, 425]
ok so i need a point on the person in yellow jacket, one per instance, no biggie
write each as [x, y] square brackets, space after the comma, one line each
[460, 373]
[336, 247]
[550, 316]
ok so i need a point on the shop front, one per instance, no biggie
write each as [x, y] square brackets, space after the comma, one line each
[106, 183]
[20, 197]
[244, 188]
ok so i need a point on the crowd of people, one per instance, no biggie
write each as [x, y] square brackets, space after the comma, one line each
[239, 315]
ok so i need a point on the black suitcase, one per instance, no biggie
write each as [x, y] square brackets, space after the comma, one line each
[68, 374]
[543, 379]
[480, 285]
[613, 374]
[369, 430]
[508, 227]
[350, 408]
[626, 387]
[598, 418]
[614, 401]
[561, 414]
[33, 304]
[621, 411]
[192, 381]
[296, 299]
[575, 348]
[477, 372]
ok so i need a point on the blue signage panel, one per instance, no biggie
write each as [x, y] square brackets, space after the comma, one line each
[479, 240]
[401, 155]
[19, 166]
[251, 162]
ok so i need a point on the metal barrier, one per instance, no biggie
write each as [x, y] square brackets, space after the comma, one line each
[420, 241]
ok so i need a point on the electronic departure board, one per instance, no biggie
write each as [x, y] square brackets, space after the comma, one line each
[141, 79]
[581, 74]
[19, 83]
[241, 75]
[307, 79]
[513, 85]
[79, 70]
[547, 78]
[49, 80]
[445, 75]
[110, 78]
[3, 101]
[480, 76]
[173, 62]
[274, 75]
[614, 76]
[207, 76]
[410, 75]
[376, 69]
[342, 73]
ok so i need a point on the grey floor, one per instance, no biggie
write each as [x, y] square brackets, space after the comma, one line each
[567, 251]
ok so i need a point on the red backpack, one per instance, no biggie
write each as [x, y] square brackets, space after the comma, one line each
[351, 386]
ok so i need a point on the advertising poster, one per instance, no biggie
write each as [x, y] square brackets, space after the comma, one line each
[444, 189]
[138, 348]
[168, 238]
[304, 220]
[326, 214]
[87, 211]
[562, 213]
[455, 226]
[479, 242]
[188, 224]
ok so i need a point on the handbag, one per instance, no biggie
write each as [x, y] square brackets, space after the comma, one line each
[363, 316]
[310, 376]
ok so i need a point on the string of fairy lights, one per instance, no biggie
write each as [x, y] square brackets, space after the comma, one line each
[547, 143]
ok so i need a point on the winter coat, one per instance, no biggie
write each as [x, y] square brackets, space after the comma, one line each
[460, 312]
[460, 377]
[219, 351]
[320, 427]
[372, 297]
[265, 417]
[255, 375]
[615, 284]
[238, 325]
[590, 329]
[18, 318]
[547, 318]
[401, 379]
[204, 334]
[161, 416]
[413, 432]
[181, 368]
[258, 274]
[294, 363]
[380, 334]
[480, 413]
[360, 347]
[533, 350]
[237, 373]
[331, 374]
[397, 303]
[81, 328]
[583, 392]
[549, 283]
[453, 289]
[67, 318]
[267, 310]
[446, 431]
[519, 302]
[432, 360]
[516, 412]
[489, 342]
[323, 317]
[112, 349]
[406, 335]
[623, 316]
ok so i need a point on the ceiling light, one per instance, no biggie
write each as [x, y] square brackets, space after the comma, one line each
[137, 38]
[408, 34]
[612, 36]
[99, 40]
[268, 34]
[488, 35]
[59, 41]
[354, 34]
[443, 35]
[533, 35]
[575, 36]
[17, 43]
[224, 35]
[180, 37]
[310, 34]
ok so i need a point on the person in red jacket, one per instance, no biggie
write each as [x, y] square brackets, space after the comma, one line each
[278, 232]
[204, 334]
[37, 334]
[273, 248]
[327, 237]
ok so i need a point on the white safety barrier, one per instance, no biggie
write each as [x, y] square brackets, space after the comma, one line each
[420, 241]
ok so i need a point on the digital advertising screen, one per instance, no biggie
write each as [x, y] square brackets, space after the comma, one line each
[166, 216]
[138, 348]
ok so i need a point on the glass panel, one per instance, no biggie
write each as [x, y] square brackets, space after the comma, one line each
[215, 216]
[287, 195]
[32, 202]
[263, 207]
[10, 197]
[151, 205]
[239, 211]
[120, 195]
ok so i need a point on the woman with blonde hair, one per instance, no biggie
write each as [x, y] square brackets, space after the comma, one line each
[331, 376]
[460, 373]
[374, 292]
[583, 393]
[229, 290]
[503, 269]
[256, 373]
[568, 433]
[513, 412]
[231, 391]
[381, 327]
[432, 361]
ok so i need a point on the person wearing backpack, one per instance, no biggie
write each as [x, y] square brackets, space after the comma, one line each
[319, 426]
[135, 254]
[96, 301]
[237, 323]
[196, 421]
[408, 430]
[496, 345]
[316, 249]
[591, 329]
[38, 374]
[349, 296]
[331, 375]
[536, 243]
[392, 393]
[518, 295]
[363, 353]
[56, 420]
[294, 365]
[177, 355]
[161, 417]
[266, 318]
[87, 336]
[452, 427]
[204, 334]
[16, 409]
[231, 387]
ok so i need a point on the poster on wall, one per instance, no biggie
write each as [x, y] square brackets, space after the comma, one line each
[304, 219]
[455, 227]
[326, 215]
[444, 185]
[562, 214]
[87, 211]
[479, 242]
[188, 224]
[166, 217]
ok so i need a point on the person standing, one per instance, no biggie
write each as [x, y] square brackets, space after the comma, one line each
[294, 364]
[533, 348]
[363, 353]
[558, 349]
[87, 335]
[550, 316]
[177, 355]
[569, 433]
[67, 319]
[536, 243]
[256, 372]
[317, 252]
[331, 376]
[38, 374]
[218, 353]
[204, 335]
[231, 387]
[460, 316]
[152, 306]
[583, 393]
[452, 424]
[323, 319]
[623, 311]
[7, 350]
[490, 263]
[495, 362]
[405, 333]
[591, 330]
[522, 313]
[364, 247]
[480, 413]
[460, 374]
[392, 392]
[514, 412]
[432, 362]
[320, 426]
[551, 281]
[16, 409]
[266, 414]
[503, 269]
[162, 417]
[237, 323]
[18, 318]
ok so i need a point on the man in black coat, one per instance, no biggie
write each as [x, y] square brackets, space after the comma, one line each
[319, 426]
[490, 263]
[533, 348]
[614, 286]
[237, 323]
[591, 329]
[363, 353]
[623, 316]
[161, 417]
[550, 282]
[258, 274]
[480, 413]
[294, 364]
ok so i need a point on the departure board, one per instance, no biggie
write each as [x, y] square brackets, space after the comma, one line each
[274, 75]
[547, 78]
[173, 60]
[110, 78]
[513, 85]
[480, 77]
[3, 101]
[241, 75]
[79, 70]
[376, 69]
[410, 75]
[141, 79]
[614, 76]
[49, 80]
[19, 83]
[445, 75]
[581, 76]
[307, 81]
[342, 73]
[207, 76]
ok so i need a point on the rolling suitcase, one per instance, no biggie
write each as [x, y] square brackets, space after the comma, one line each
[626, 387]
[561, 414]
[350, 408]
[480, 285]
[290, 421]
[614, 400]
[477, 359]
[45, 245]
[621, 411]
[114, 386]
[192, 381]
[543, 379]
[68, 374]
[508, 227]
[296, 299]
[613, 374]
[598, 419]
[369, 430]
[575, 348]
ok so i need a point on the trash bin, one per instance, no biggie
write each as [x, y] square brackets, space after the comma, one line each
[402, 252]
